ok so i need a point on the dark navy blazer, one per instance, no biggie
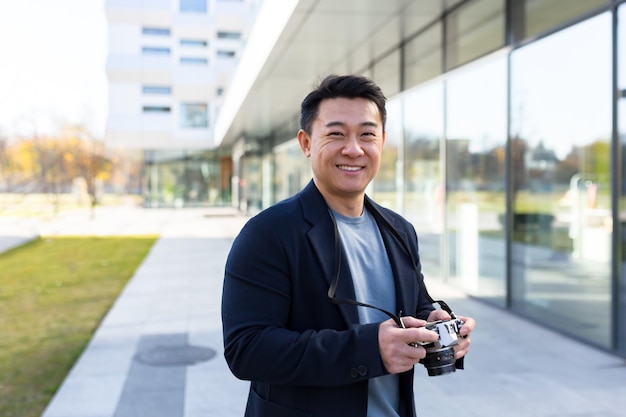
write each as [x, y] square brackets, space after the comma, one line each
[305, 355]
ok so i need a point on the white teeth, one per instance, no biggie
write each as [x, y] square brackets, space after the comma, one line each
[348, 168]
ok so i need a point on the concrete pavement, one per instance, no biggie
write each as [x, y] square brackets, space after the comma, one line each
[158, 352]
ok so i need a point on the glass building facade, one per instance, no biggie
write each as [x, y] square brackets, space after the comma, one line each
[186, 178]
[505, 148]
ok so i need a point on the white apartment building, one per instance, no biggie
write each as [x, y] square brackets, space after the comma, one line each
[169, 65]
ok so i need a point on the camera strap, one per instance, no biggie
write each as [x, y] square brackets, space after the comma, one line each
[333, 286]
[420, 281]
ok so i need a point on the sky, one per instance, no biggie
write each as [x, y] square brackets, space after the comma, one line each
[52, 66]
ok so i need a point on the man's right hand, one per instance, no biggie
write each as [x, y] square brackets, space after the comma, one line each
[394, 343]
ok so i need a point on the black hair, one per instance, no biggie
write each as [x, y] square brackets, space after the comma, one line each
[346, 86]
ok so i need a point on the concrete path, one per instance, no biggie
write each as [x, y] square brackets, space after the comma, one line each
[158, 352]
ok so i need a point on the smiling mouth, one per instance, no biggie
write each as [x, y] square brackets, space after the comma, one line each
[349, 168]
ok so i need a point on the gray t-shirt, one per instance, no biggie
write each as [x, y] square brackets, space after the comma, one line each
[373, 282]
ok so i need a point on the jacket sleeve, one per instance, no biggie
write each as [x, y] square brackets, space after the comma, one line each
[260, 343]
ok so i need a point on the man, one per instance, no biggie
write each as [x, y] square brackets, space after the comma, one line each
[287, 325]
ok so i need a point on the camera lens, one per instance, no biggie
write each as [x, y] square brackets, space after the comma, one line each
[439, 361]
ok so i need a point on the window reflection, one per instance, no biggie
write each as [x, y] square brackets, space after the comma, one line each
[193, 115]
[387, 73]
[386, 189]
[475, 162]
[560, 127]
[537, 16]
[176, 178]
[621, 333]
[423, 56]
[292, 170]
[474, 29]
[424, 196]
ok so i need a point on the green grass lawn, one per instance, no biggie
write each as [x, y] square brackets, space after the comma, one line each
[54, 292]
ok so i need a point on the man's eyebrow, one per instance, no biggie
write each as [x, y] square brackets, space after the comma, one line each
[372, 124]
[338, 123]
[334, 123]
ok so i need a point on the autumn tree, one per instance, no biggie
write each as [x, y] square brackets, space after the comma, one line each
[86, 158]
[50, 165]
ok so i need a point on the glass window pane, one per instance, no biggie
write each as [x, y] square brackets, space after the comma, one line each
[387, 73]
[424, 196]
[252, 174]
[156, 89]
[155, 31]
[228, 35]
[476, 133]
[225, 54]
[473, 30]
[194, 43]
[541, 15]
[155, 50]
[193, 115]
[292, 170]
[385, 185]
[197, 6]
[561, 128]
[156, 109]
[621, 43]
[423, 56]
[177, 178]
[193, 61]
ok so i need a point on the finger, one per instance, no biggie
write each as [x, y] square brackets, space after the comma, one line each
[420, 335]
[467, 327]
[404, 360]
[394, 347]
[468, 321]
[410, 321]
[439, 315]
[460, 353]
[462, 348]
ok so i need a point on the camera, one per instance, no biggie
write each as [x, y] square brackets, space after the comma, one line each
[439, 358]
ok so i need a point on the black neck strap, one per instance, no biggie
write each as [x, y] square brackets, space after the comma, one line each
[333, 286]
[338, 260]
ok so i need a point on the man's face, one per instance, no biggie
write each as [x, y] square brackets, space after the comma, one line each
[345, 145]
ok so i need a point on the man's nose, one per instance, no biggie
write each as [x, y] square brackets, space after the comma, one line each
[352, 147]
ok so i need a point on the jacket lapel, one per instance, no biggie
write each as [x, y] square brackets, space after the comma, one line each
[322, 239]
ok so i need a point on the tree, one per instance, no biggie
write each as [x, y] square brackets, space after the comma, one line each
[36, 165]
[50, 165]
[86, 158]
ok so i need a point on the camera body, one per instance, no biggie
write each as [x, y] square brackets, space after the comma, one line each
[439, 358]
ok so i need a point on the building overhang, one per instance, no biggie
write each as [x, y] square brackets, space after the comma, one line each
[295, 43]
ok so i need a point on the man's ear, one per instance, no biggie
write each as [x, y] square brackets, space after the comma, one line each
[305, 142]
